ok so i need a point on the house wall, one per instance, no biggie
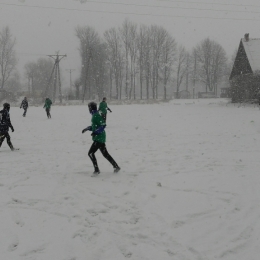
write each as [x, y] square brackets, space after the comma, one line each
[244, 87]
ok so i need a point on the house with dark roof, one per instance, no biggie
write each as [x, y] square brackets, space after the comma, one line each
[245, 75]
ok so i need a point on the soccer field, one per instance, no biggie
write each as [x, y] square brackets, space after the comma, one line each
[188, 189]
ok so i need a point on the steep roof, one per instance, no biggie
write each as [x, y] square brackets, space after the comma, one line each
[252, 49]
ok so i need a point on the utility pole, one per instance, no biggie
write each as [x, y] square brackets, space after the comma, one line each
[56, 71]
[70, 70]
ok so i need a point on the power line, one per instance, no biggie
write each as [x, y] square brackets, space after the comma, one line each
[174, 7]
[204, 3]
[38, 55]
[138, 14]
[70, 71]
[140, 5]
[177, 7]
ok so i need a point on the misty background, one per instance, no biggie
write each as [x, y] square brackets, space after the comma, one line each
[39, 28]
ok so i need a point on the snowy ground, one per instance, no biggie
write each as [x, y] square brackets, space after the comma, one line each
[189, 188]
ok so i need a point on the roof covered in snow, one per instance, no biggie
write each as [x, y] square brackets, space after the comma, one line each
[252, 49]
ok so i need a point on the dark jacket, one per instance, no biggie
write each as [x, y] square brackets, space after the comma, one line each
[5, 121]
[24, 104]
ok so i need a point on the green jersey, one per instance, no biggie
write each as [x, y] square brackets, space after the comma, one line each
[48, 103]
[98, 121]
[103, 107]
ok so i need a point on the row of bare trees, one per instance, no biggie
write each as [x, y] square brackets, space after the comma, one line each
[127, 62]
[93, 60]
[144, 62]
[38, 74]
[127, 57]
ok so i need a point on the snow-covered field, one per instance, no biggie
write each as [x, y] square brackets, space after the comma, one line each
[189, 188]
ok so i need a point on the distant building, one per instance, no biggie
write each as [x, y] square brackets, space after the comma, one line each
[183, 94]
[245, 77]
[206, 95]
[225, 93]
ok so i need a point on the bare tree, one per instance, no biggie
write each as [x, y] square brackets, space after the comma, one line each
[125, 36]
[115, 59]
[147, 60]
[99, 70]
[158, 36]
[38, 74]
[168, 59]
[141, 39]
[188, 70]
[133, 53]
[181, 68]
[193, 70]
[89, 40]
[14, 82]
[7, 55]
[212, 62]
[219, 65]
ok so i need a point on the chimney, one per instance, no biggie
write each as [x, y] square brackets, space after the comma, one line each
[246, 37]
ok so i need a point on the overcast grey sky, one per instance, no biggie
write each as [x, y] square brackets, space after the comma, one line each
[42, 27]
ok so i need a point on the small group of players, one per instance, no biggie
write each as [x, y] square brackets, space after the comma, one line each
[97, 128]
[47, 106]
